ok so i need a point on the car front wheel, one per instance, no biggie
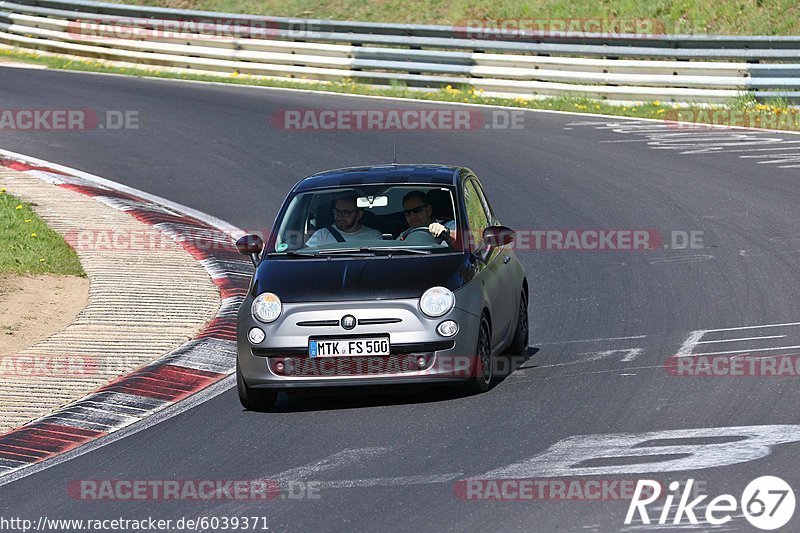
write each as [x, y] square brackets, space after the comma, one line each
[254, 399]
[519, 344]
[481, 377]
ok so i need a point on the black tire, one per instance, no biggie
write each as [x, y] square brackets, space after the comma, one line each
[519, 344]
[481, 377]
[254, 399]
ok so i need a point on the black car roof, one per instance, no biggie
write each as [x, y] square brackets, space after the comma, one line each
[381, 174]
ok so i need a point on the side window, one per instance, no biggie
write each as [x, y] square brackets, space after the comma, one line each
[485, 202]
[476, 213]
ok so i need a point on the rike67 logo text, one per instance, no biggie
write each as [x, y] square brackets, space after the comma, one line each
[767, 502]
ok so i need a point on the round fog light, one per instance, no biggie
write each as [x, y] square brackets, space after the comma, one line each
[448, 328]
[422, 361]
[279, 367]
[255, 335]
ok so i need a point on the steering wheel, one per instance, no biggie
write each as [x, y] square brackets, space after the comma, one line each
[418, 231]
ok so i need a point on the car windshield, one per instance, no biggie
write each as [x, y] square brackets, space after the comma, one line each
[370, 219]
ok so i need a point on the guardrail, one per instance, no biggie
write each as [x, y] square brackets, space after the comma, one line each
[688, 68]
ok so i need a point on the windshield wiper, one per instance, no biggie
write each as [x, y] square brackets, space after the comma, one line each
[395, 250]
[292, 253]
[334, 251]
[375, 250]
[362, 250]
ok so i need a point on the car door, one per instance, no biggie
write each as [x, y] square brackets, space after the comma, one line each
[510, 285]
[494, 275]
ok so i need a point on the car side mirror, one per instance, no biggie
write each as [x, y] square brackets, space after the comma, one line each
[498, 235]
[250, 245]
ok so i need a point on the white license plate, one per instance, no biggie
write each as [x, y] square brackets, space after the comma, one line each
[349, 347]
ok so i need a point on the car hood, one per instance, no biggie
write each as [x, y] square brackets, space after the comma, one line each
[374, 278]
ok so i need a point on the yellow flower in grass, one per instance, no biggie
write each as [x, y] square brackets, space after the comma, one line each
[42, 260]
[33, 234]
[451, 90]
[656, 103]
[18, 207]
[27, 220]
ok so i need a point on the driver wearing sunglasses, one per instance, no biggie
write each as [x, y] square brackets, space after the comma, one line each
[418, 212]
[347, 224]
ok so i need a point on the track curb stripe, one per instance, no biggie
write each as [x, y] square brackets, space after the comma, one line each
[202, 361]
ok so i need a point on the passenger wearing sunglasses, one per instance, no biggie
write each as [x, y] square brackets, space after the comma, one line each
[418, 212]
[347, 226]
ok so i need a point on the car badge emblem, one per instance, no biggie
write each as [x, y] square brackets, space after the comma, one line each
[348, 321]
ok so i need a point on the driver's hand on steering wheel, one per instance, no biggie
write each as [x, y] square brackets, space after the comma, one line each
[437, 229]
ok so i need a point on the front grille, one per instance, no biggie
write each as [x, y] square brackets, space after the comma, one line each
[361, 322]
[278, 352]
[318, 323]
[377, 321]
[348, 366]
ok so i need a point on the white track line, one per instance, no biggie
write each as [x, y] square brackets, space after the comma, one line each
[342, 459]
[747, 351]
[593, 340]
[744, 339]
[754, 327]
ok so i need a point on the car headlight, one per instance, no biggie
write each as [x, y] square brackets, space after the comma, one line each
[267, 307]
[437, 301]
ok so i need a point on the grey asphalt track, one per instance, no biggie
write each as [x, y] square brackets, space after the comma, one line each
[603, 323]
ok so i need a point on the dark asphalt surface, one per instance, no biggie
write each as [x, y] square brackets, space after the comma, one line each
[213, 148]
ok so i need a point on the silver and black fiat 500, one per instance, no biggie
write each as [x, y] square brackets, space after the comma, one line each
[378, 275]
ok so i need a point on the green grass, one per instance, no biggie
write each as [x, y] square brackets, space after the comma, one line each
[774, 114]
[28, 246]
[727, 17]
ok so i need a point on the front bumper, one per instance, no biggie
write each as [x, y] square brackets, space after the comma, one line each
[412, 336]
